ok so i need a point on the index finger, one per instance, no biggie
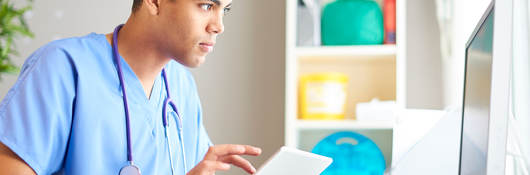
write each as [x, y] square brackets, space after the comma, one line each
[217, 151]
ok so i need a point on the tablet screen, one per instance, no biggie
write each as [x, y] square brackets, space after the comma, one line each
[289, 161]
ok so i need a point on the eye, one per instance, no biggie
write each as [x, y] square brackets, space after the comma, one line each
[206, 7]
[226, 10]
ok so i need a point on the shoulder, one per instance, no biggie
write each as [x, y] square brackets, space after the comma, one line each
[62, 55]
[75, 46]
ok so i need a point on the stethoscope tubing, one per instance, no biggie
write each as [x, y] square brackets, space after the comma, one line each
[124, 93]
[167, 101]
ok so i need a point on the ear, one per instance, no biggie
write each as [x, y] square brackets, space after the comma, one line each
[152, 6]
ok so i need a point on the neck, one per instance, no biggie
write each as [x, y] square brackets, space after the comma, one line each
[141, 53]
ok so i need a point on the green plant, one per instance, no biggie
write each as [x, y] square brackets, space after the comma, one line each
[12, 26]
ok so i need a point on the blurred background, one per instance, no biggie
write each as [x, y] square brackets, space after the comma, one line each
[252, 85]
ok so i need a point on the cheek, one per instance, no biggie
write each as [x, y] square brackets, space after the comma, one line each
[189, 30]
[183, 32]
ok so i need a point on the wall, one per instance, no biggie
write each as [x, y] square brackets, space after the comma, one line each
[434, 82]
[423, 74]
[241, 85]
[466, 16]
[54, 19]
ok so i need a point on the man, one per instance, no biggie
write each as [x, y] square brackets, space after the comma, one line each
[66, 114]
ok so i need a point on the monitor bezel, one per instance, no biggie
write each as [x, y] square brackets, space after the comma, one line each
[500, 84]
[479, 25]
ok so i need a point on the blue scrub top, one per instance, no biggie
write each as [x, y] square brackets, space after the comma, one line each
[65, 113]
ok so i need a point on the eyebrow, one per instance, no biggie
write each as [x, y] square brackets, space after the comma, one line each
[218, 3]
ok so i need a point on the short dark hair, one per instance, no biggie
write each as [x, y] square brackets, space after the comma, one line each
[136, 5]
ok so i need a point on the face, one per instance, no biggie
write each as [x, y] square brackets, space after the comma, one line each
[187, 29]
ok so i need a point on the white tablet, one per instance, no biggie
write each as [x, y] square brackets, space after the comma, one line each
[291, 161]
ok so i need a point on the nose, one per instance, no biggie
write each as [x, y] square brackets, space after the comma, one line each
[216, 25]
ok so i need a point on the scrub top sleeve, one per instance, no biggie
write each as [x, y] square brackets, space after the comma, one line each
[36, 114]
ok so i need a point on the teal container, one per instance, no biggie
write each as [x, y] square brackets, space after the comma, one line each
[352, 154]
[352, 22]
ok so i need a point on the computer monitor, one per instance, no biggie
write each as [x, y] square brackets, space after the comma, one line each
[486, 93]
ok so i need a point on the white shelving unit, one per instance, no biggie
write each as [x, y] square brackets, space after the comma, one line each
[365, 50]
[374, 71]
[339, 124]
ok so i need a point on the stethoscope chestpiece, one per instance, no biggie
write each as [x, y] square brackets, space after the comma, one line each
[130, 169]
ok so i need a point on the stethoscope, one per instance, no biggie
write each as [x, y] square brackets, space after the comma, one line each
[131, 168]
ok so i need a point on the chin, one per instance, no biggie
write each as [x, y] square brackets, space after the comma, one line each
[193, 62]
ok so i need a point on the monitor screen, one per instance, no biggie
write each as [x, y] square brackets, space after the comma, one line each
[477, 87]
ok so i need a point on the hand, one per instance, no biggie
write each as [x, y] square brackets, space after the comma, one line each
[219, 158]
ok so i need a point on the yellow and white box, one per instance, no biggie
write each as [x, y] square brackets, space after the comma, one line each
[322, 96]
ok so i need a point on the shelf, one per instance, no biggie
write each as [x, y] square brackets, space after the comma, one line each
[342, 124]
[361, 50]
[308, 139]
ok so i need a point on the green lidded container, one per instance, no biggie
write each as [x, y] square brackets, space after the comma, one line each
[352, 22]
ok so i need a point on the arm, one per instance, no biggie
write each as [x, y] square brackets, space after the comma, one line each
[10, 163]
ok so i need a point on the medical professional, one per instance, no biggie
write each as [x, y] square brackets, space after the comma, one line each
[121, 103]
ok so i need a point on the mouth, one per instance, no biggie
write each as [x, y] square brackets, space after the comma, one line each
[206, 46]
